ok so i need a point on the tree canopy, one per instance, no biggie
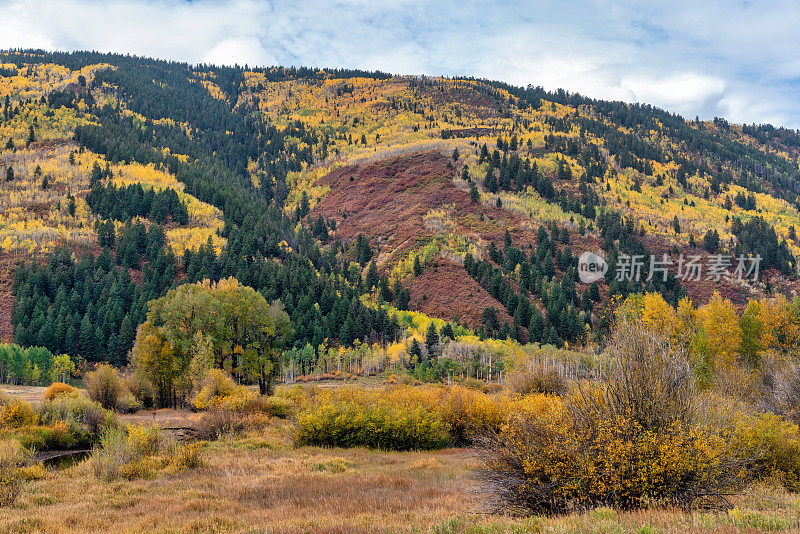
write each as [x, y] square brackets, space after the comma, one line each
[197, 327]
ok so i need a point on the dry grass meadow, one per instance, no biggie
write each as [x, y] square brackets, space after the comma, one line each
[259, 481]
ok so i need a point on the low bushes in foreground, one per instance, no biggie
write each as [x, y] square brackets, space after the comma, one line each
[400, 418]
[140, 452]
[636, 438]
[68, 421]
[13, 459]
[552, 464]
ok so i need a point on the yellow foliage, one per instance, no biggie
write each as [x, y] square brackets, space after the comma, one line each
[58, 388]
[721, 326]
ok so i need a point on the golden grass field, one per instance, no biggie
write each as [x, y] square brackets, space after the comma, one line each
[261, 482]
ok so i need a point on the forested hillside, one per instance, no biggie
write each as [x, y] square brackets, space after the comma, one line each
[366, 203]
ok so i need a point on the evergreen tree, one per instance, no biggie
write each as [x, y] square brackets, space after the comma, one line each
[372, 276]
[415, 353]
[417, 266]
[432, 341]
[447, 332]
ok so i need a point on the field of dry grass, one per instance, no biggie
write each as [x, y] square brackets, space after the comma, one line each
[261, 482]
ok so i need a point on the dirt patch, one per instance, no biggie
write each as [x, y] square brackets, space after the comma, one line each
[8, 263]
[445, 290]
[31, 394]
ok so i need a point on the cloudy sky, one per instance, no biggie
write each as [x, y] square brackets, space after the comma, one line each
[739, 60]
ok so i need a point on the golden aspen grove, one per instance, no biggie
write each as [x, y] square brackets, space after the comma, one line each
[290, 299]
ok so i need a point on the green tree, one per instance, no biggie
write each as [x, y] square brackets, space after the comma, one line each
[63, 366]
[415, 352]
[372, 276]
[447, 332]
[97, 174]
[432, 341]
[231, 323]
[474, 195]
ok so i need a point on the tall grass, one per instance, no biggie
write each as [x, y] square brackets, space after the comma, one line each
[13, 457]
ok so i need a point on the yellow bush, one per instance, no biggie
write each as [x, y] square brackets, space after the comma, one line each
[359, 418]
[544, 463]
[468, 412]
[127, 453]
[15, 413]
[58, 388]
[772, 447]
[185, 456]
[422, 417]
[219, 388]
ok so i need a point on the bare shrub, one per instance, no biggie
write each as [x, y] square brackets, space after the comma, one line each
[635, 438]
[216, 423]
[105, 385]
[647, 380]
[537, 377]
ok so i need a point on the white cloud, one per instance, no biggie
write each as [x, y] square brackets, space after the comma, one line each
[681, 92]
[239, 50]
[711, 58]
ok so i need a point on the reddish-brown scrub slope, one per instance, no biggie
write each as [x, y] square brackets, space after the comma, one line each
[8, 263]
[445, 290]
[387, 200]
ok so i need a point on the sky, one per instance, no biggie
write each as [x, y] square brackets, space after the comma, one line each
[739, 60]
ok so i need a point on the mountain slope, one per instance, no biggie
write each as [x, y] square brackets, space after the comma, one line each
[489, 189]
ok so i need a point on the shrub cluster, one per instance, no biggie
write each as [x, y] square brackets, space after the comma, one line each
[635, 438]
[139, 452]
[231, 409]
[380, 425]
[108, 387]
[399, 418]
[76, 411]
[772, 447]
[67, 421]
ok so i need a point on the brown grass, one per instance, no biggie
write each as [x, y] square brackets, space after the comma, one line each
[258, 482]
